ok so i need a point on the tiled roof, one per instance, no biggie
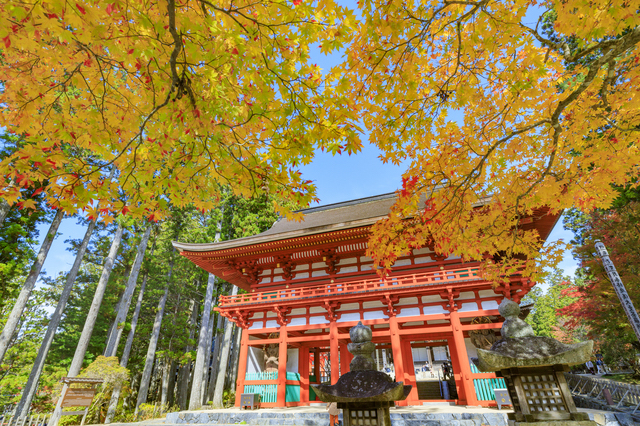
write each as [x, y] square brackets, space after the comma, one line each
[332, 217]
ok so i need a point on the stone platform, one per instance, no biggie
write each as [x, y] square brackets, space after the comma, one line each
[433, 415]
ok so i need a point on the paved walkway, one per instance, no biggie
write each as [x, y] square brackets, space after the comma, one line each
[434, 411]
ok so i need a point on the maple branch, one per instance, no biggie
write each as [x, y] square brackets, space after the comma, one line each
[177, 47]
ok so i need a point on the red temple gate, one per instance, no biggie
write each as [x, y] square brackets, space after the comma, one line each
[309, 282]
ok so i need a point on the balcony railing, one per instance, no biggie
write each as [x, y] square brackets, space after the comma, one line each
[354, 287]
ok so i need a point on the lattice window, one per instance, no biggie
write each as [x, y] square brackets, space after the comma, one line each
[367, 417]
[543, 393]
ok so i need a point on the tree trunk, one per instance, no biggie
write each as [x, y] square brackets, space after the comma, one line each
[10, 327]
[165, 383]
[29, 390]
[232, 354]
[4, 210]
[172, 384]
[185, 370]
[114, 338]
[153, 343]
[235, 359]
[204, 345]
[112, 327]
[215, 364]
[224, 359]
[87, 330]
[207, 358]
[115, 395]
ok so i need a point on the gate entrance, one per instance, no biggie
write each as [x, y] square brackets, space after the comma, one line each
[431, 362]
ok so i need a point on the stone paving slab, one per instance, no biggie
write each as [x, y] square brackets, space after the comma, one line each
[318, 416]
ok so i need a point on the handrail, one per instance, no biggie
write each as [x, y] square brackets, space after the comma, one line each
[625, 396]
[350, 287]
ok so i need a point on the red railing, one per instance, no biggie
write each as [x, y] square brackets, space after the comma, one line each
[351, 287]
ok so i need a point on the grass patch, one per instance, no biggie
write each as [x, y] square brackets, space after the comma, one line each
[624, 378]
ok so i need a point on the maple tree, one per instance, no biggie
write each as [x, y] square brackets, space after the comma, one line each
[179, 98]
[503, 110]
[595, 305]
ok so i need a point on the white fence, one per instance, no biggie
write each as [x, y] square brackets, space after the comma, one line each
[35, 420]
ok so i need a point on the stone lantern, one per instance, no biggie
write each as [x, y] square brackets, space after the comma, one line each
[363, 393]
[533, 368]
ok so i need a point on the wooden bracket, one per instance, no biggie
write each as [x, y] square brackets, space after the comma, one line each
[331, 259]
[287, 266]
[331, 307]
[282, 313]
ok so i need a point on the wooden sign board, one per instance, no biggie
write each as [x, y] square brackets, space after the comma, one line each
[78, 397]
[502, 397]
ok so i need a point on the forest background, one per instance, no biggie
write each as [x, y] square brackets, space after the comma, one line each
[523, 160]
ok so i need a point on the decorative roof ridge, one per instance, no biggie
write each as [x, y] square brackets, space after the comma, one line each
[347, 203]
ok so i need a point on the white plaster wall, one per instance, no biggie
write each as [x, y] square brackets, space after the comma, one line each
[255, 360]
[472, 352]
[407, 301]
[468, 307]
[371, 315]
[298, 321]
[317, 320]
[467, 295]
[431, 298]
[257, 325]
[354, 316]
[347, 269]
[489, 304]
[402, 262]
[409, 312]
[419, 355]
[435, 309]
[349, 307]
[292, 360]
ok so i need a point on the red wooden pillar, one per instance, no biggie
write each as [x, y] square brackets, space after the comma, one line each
[303, 363]
[242, 365]
[466, 382]
[410, 374]
[282, 368]
[334, 357]
[344, 358]
[396, 348]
